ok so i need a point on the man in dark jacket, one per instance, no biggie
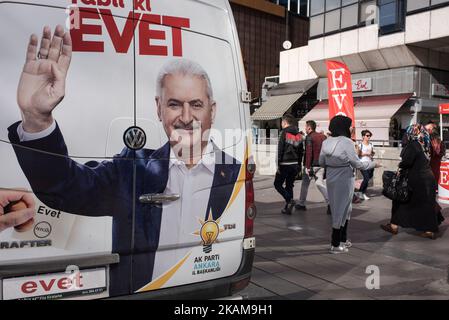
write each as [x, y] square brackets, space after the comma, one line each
[314, 140]
[290, 150]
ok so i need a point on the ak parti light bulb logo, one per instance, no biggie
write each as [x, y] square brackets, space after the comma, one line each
[209, 232]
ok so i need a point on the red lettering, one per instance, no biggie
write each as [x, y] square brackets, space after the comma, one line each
[122, 41]
[105, 3]
[444, 178]
[77, 34]
[146, 34]
[142, 5]
[78, 280]
[64, 283]
[45, 286]
[119, 4]
[89, 2]
[29, 287]
[176, 23]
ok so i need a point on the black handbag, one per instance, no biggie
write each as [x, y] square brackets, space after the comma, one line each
[396, 186]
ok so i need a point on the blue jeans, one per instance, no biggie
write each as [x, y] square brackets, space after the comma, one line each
[367, 176]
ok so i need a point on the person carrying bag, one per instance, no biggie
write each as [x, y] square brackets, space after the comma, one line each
[414, 199]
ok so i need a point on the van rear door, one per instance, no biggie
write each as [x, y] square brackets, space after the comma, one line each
[190, 215]
[84, 198]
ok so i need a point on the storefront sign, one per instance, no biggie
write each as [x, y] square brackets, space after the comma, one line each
[340, 90]
[444, 108]
[440, 90]
[361, 85]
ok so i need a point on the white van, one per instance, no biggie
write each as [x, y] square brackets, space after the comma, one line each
[125, 169]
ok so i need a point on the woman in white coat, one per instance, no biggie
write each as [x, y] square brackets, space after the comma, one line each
[339, 157]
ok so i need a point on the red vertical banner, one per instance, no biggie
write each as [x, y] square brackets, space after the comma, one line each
[340, 90]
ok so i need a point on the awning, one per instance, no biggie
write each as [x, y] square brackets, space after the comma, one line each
[275, 107]
[292, 87]
[281, 98]
[372, 113]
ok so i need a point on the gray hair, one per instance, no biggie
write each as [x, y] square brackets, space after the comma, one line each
[184, 67]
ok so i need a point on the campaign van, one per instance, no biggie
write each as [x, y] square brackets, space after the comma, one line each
[126, 168]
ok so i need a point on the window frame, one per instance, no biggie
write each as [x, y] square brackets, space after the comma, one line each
[399, 26]
[340, 8]
[426, 8]
[400, 14]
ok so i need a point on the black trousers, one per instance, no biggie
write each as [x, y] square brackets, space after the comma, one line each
[339, 235]
[287, 175]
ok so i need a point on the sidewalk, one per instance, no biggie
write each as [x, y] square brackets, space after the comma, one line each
[292, 259]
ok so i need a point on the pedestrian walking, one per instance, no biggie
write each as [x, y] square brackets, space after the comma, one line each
[312, 169]
[437, 150]
[366, 153]
[290, 152]
[421, 212]
[339, 157]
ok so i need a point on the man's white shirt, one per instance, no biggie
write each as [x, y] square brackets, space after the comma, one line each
[180, 218]
[27, 136]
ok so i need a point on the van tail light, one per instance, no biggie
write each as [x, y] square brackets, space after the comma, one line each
[250, 207]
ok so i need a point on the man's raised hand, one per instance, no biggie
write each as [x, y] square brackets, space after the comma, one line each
[42, 83]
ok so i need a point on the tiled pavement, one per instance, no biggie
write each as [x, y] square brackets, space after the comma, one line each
[292, 259]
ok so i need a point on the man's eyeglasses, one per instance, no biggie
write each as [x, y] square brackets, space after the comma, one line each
[368, 135]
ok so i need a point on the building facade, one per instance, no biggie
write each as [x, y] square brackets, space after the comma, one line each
[262, 27]
[397, 52]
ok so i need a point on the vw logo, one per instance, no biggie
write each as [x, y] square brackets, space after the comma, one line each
[134, 138]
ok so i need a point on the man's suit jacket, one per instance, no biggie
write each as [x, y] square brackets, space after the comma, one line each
[112, 188]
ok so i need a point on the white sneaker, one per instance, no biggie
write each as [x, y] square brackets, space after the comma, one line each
[339, 249]
[347, 244]
[365, 197]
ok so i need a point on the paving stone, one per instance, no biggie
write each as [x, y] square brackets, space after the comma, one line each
[256, 292]
[274, 284]
[292, 260]
[300, 278]
[270, 266]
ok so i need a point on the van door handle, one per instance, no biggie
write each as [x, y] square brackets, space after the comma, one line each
[158, 198]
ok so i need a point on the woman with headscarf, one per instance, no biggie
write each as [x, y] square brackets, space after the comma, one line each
[422, 212]
[339, 157]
